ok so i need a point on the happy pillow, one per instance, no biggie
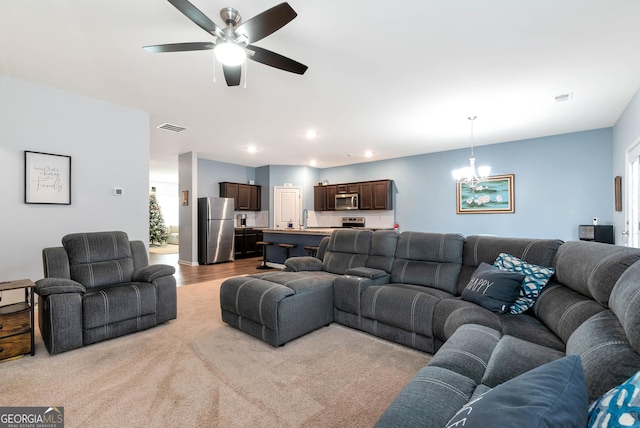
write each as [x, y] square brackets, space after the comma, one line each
[492, 288]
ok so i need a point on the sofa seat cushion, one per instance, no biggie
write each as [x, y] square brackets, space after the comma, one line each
[119, 303]
[529, 328]
[399, 305]
[513, 357]
[299, 281]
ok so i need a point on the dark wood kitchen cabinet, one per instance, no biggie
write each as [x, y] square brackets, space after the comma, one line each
[246, 240]
[246, 197]
[319, 198]
[331, 197]
[376, 195]
[347, 188]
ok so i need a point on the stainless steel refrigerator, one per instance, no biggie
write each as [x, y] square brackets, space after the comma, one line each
[215, 230]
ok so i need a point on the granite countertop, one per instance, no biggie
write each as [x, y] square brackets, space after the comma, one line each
[307, 231]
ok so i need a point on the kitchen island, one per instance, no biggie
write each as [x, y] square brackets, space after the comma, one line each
[299, 237]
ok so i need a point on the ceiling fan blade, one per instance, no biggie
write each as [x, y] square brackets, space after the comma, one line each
[199, 18]
[273, 59]
[265, 23]
[232, 74]
[180, 47]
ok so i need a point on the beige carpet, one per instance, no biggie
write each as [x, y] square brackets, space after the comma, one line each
[164, 249]
[198, 372]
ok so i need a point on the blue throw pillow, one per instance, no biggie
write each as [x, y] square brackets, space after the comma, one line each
[620, 407]
[493, 288]
[536, 277]
[552, 395]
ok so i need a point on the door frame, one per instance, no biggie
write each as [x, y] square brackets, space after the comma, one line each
[631, 233]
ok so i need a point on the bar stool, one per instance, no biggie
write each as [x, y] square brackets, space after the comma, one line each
[264, 245]
[287, 247]
[312, 249]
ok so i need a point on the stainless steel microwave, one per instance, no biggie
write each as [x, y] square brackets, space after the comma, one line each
[347, 201]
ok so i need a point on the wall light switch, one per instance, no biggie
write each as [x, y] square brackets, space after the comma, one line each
[118, 191]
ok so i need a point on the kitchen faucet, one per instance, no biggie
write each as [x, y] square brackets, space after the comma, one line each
[305, 218]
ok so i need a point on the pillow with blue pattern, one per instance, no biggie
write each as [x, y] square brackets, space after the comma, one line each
[620, 407]
[535, 278]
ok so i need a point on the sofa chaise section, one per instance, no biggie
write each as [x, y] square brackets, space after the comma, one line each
[277, 307]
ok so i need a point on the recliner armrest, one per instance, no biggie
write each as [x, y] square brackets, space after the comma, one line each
[48, 286]
[152, 272]
[303, 264]
[366, 272]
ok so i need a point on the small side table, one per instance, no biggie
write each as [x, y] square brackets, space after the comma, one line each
[16, 321]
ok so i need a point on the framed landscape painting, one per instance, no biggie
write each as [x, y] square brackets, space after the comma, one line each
[495, 195]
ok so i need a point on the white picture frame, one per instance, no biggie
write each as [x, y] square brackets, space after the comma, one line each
[47, 178]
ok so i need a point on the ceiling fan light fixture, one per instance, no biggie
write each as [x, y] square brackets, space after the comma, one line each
[229, 53]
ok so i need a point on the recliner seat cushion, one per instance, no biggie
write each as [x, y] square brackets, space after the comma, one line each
[114, 304]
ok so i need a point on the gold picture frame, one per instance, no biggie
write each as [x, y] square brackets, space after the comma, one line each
[495, 195]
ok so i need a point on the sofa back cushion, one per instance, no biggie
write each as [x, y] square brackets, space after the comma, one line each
[625, 303]
[592, 268]
[100, 258]
[383, 250]
[478, 249]
[346, 249]
[428, 259]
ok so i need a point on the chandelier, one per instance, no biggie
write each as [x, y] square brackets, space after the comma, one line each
[467, 175]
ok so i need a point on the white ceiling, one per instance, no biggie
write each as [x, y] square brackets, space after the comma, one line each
[397, 78]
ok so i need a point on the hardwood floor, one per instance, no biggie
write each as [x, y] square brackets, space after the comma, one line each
[193, 274]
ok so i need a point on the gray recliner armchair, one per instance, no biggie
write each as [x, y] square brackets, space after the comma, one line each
[98, 286]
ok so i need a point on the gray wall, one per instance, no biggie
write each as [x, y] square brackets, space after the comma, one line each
[626, 134]
[109, 147]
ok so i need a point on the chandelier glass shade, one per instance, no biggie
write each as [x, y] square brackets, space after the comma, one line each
[467, 174]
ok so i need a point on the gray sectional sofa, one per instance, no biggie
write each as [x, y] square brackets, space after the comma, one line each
[411, 288]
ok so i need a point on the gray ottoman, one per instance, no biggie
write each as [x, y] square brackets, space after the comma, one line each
[280, 306]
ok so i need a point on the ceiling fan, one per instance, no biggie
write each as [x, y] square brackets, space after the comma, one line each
[233, 44]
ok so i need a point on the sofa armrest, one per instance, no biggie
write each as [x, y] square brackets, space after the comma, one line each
[48, 286]
[153, 272]
[366, 272]
[303, 264]
[347, 290]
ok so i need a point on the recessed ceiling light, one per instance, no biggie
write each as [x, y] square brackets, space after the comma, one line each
[311, 134]
[313, 162]
[252, 149]
[368, 154]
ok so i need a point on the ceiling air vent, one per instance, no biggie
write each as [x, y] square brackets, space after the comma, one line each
[172, 128]
[564, 97]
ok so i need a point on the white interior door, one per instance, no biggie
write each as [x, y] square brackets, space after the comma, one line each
[632, 198]
[287, 206]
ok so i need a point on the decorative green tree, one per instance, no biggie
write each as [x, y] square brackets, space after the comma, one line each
[158, 232]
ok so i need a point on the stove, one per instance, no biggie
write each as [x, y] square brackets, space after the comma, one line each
[355, 222]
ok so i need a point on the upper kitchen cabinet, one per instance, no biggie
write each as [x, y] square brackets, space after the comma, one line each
[376, 195]
[246, 197]
[373, 195]
[319, 198]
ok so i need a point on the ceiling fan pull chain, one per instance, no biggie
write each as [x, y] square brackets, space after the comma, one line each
[214, 68]
[245, 73]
